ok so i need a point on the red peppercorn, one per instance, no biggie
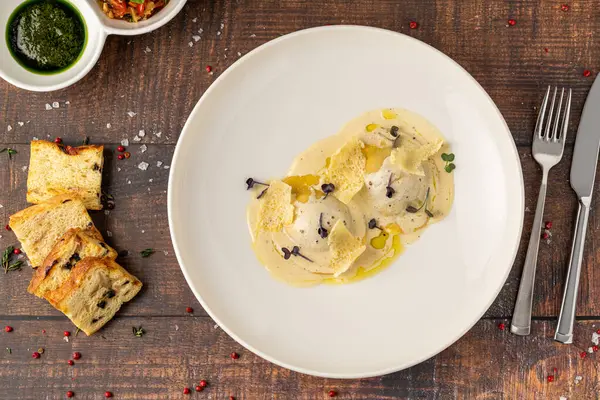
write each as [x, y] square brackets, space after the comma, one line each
[199, 388]
[121, 157]
[8, 328]
[43, 331]
[234, 355]
[107, 394]
[7, 227]
[545, 235]
[57, 140]
[548, 224]
[186, 390]
[203, 383]
[76, 355]
[121, 149]
[67, 333]
[587, 73]
[70, 394]
[598, 331]
[512, 22]
[413, 25]
[70, 362]
[582, 354]
[17, 251]
[208, 68]
[546, 49]
[127, 154]
[501, 326]
[231, 398]
[564, 7]
[332, 393]
[594, 348]
[35, 354]
[189, 310]
[550, 378]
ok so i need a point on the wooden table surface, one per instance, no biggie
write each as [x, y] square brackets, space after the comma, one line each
[160, 76]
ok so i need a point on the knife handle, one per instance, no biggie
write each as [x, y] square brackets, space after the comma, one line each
[521, 320]
[566, 318]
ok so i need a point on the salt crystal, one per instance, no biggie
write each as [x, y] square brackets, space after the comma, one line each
[166, 167]
[219, 33]
[166, 253]
[196, 38]
[253, 35]
[149, 180]
[590, 350]
[176, 327]
[142, 133]
[143, 148]
[35, 138]
[578, 379]
[0, 236]
[222, 25]
[239, 54]
[108, 233]
[1, 206]
[563, 398]
[131, 114]
[21, 123]
[9, 128]
[143, 231]
[24, 168]
[128, 182]
[143, 165]
[190, 44]
[200, 31]
[159, 163]
[136, 138]
[195, 19]
[67, 102]
[55, 104]
[148, 189]
[106, 212]
[66, 339]
[158, 134]
[527, 209]
[108, 126]
[596, 338]
[125, 142]
[118, 169]
[148, 50]
[216, 326]
[48, 106]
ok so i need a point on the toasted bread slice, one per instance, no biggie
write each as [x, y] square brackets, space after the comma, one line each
[76, 170]
[94, 291]
[39, 227]
[74, 246]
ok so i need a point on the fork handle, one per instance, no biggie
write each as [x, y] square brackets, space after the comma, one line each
[521, 320]
[566, 318]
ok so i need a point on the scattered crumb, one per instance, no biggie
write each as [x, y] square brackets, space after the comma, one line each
[196, 38]
[142, 133]
[66, 102]
[166, 167]
[55, 104]
[106, 212]
[158, 134]
[219, 33]
[128, 182]
[159, 163]
[200, 31]
[216, 326]
[136, 138]
[108, 233]
[222, 26]
[118, 169]
[24, 168]
[148, 50]
[563, 398]
[48, 106]
[239, 54]
[144, 166]
[176, 327]
[143, 231]
[125, 142]
[35, 138]
[149, 180]
[108, 125]
[596, 338]
[148, 189]
[131, 114]
[195, 19]
[143, 148]
[1, 206]
[253, 35]
[21, 123]
[9, 128]
[527, 209]
[166, 253]
[578, 379]
[190, 44]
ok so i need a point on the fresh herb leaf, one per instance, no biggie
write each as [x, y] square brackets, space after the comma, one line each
[9, 350]
[146, 253]
[138, 332]
[9, 151]
[14, 266]
[6, 264]
[77, 332]
[137, 1]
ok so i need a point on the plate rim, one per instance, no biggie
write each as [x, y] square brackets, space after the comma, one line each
[170, 196]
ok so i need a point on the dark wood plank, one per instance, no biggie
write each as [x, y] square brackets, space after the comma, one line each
[487, 363]
[163, 85]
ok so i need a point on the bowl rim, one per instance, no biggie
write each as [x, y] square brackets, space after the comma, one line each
[171, 198]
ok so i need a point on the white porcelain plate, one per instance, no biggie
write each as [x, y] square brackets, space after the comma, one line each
[275, 102]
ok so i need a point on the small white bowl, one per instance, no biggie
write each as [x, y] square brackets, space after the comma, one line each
[98, 27]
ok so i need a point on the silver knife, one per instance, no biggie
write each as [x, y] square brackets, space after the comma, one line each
[583, 174]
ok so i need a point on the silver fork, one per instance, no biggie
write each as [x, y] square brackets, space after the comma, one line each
[548, 147]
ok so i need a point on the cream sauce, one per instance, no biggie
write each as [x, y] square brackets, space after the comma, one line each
[430, 188]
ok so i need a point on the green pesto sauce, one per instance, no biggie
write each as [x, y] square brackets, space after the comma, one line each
[46, 36]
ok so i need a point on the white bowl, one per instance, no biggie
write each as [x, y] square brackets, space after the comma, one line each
[98, 26]
[276, 101]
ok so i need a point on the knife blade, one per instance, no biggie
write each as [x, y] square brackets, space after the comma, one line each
[583, 175]
[585, 155]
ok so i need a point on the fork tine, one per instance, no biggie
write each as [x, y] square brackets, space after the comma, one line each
[565, 121]
[557, 118]
[549, 122]
[540, 120]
